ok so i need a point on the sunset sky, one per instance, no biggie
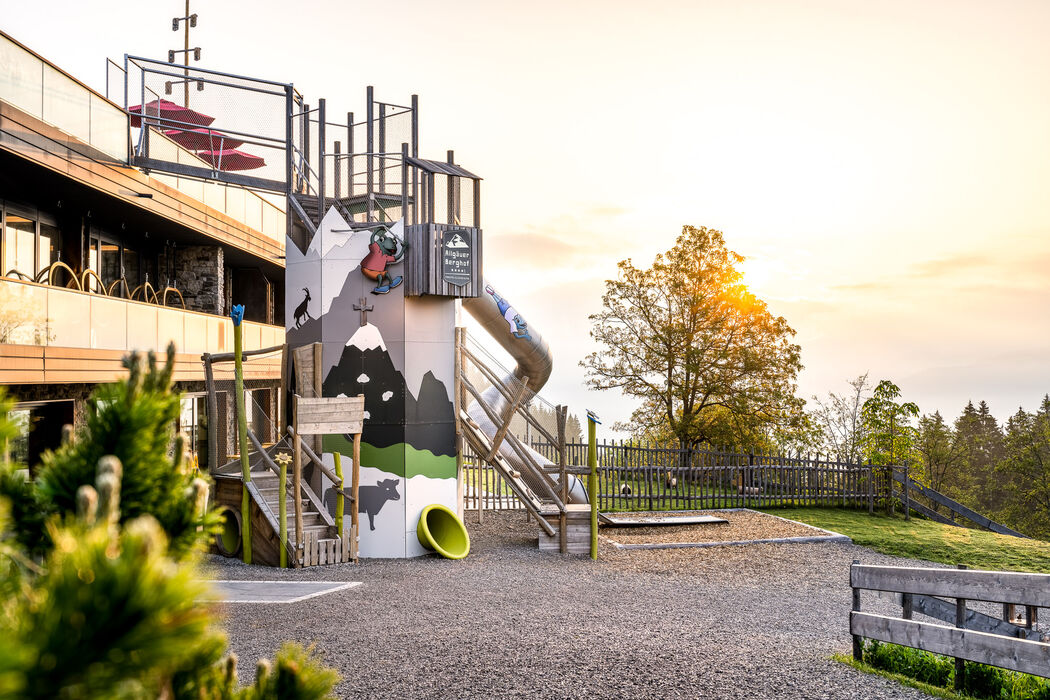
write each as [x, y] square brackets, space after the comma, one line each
[885, 167]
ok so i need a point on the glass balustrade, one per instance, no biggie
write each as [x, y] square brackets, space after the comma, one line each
[37, 88]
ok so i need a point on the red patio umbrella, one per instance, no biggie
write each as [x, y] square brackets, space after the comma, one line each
[232, 159]
[203, 139]
[165, 110]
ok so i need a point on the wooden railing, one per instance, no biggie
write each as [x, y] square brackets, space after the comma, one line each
[969, 635]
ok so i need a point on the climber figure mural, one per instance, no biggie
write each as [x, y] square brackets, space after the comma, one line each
[518, 327]
[384, 249]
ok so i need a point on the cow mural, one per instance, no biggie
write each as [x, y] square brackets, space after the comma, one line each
[372, 499]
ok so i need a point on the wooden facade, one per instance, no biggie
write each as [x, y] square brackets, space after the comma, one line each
[423, 262]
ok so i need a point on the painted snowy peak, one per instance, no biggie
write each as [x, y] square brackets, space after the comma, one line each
[394, 414]
[367, 337]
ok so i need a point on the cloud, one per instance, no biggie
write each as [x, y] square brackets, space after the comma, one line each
[532, 249]
[941, 267]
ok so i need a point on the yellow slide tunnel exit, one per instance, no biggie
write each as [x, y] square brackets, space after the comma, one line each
[441, 530]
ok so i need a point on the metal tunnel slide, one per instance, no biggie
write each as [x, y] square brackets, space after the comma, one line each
[533, 357]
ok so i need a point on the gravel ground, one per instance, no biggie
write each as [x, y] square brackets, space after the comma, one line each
[742, 525]
[508, 621]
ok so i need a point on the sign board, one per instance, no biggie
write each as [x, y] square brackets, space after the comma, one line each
[456, 257]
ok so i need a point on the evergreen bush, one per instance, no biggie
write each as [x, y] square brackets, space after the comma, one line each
[98, 585]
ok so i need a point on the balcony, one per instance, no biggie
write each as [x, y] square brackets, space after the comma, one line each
[51, 334]
[53, 119]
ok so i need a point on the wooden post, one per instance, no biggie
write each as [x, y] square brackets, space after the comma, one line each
[282, 395]
[960, 621]
[907, 605]
[592, 480]
[858, 643]
[355, 487]
[237, 315]
[297, 480]
[563, 537]
[871, 489]
[213, 415]
[340, 501]
[907, 493]
[457, 409]
[282, 507]
[318, 359]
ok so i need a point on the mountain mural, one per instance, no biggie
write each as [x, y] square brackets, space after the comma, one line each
[394, 415]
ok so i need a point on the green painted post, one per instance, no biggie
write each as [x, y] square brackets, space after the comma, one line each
[282, 507]
[237, 314]
[340, 500]
[592, 478]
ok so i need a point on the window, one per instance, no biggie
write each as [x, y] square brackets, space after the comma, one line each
[48, 250]
[193, 423]
[19, 241]
[27, 247]
[93, 262]
[110, 263]
[131, 268]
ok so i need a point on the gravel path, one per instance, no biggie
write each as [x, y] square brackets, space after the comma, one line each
[726, 622]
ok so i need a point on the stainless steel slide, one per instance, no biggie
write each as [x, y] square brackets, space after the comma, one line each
[533, 357]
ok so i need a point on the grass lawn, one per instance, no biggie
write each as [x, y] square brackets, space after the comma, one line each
[925, 539]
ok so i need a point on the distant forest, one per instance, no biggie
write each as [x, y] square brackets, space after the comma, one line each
[1000, 470]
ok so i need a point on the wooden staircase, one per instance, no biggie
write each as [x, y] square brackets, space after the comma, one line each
[321, 541]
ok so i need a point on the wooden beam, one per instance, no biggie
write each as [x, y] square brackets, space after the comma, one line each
[958, 508]
[981, 647]
[508, 415]
[988, 586]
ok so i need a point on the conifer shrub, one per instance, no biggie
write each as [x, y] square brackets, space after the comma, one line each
[99, 591]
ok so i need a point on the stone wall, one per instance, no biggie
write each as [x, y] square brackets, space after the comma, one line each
[201, 277]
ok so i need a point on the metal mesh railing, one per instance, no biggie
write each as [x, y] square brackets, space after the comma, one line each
[261, 404]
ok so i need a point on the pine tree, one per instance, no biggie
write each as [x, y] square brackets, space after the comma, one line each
[93, 602]
[134, 421]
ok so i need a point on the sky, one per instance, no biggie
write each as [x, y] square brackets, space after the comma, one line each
[884, 167]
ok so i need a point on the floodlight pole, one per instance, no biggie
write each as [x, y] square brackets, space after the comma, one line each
[186, 58]
[188, 20]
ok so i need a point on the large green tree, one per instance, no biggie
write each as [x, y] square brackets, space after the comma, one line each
[889, 436]
[704, 355]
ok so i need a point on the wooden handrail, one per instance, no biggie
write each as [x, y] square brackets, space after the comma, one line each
[507, 394]
[316, 460]
[516, 444]
[228, 356]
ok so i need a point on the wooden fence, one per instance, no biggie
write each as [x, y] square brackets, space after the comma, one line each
[633, 477]
[971, 636]
[661, 478]
[484, 488]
